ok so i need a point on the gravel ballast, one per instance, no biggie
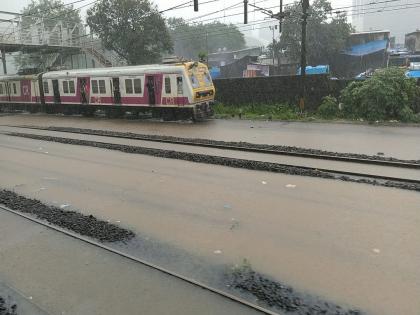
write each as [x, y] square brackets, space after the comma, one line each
[236, 144]
[7, 308]
[86, 225]
[279, 296]
[230, 162]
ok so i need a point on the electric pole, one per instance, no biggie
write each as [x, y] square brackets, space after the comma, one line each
[305, 7]
[281, 15]
[196, 5]
[245, 11]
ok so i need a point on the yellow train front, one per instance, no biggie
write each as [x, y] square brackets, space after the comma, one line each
[202, 88]
[173, 92]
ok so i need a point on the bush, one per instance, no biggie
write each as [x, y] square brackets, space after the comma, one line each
[328, 108]
[253, 111]
[389, 94]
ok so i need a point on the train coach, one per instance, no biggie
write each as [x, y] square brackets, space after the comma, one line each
[172, 92]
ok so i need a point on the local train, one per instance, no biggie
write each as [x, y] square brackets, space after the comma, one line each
[172, 91]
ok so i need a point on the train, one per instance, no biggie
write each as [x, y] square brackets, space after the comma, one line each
[169, 91]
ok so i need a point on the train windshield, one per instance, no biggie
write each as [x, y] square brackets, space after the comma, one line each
[194, 81]
[207, 79]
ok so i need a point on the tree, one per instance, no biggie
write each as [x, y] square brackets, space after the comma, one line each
[326, 35]
[190, 40]
[44, 15]
[388, 94]
[134, 29]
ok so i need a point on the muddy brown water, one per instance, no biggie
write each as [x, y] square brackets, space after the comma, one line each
[399, 142]
[354, 244]
[62, 275]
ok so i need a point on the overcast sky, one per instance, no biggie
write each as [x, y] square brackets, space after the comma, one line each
[188, 13]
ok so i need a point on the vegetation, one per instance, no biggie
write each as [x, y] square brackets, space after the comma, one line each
[329, 108]
[327, 34]
[191, 40]
[258, 111]
[134, 29]
[46, 13]
[388, 95]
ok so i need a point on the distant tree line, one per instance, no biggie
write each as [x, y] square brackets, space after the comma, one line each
[138, 33]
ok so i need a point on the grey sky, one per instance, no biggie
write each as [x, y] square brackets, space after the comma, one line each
[187, 13]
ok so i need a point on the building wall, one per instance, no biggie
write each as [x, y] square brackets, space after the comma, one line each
[412, 42]
[399, 22]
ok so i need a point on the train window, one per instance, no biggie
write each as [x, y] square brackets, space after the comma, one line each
[71, 87]
[1, 88]
[14, 88]
[179, 85]
[137, 86]
[102, 88]
[128, 86]
[167, 85]
[95, 86]
[65, 87]
[46, 87]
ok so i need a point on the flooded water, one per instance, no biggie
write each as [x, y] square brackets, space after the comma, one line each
[400, 142]
[351, 243]
[65, 276]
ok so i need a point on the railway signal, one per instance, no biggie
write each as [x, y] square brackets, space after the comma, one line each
[196, 5]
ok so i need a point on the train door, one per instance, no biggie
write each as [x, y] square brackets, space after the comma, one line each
[26, 90]
[8, 92]
[84, 90]
[151, 89]
[56, 91]
[179, 90]
[116, 90]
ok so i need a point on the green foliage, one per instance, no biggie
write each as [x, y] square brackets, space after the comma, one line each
[258, 111]
[190, 40]
[387, 95]
[132, 28]
[46, 13]
[328, 108]
[326, 35]
[202, 56]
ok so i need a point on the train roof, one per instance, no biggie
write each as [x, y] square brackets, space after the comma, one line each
[109, 72]
[16, 77]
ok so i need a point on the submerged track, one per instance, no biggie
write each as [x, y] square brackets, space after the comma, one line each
[242, 146]
[377, 180]
[142, 262]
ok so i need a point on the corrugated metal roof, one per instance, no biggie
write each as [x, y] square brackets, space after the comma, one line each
[368, 48]
[413, 74]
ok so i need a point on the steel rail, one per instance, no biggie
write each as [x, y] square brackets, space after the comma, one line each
[232, 147]
[142, 262]
[217, 160]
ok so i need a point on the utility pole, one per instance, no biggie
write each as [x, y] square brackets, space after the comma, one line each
[3, 59]
[196, 5]
[245, 11]
[281, 15]
[273, 28]
[305, 7]
[207, 47]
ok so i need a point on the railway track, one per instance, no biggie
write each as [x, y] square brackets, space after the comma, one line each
[107, 248]
[343, 175]
[272, 296]
[242, 146]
